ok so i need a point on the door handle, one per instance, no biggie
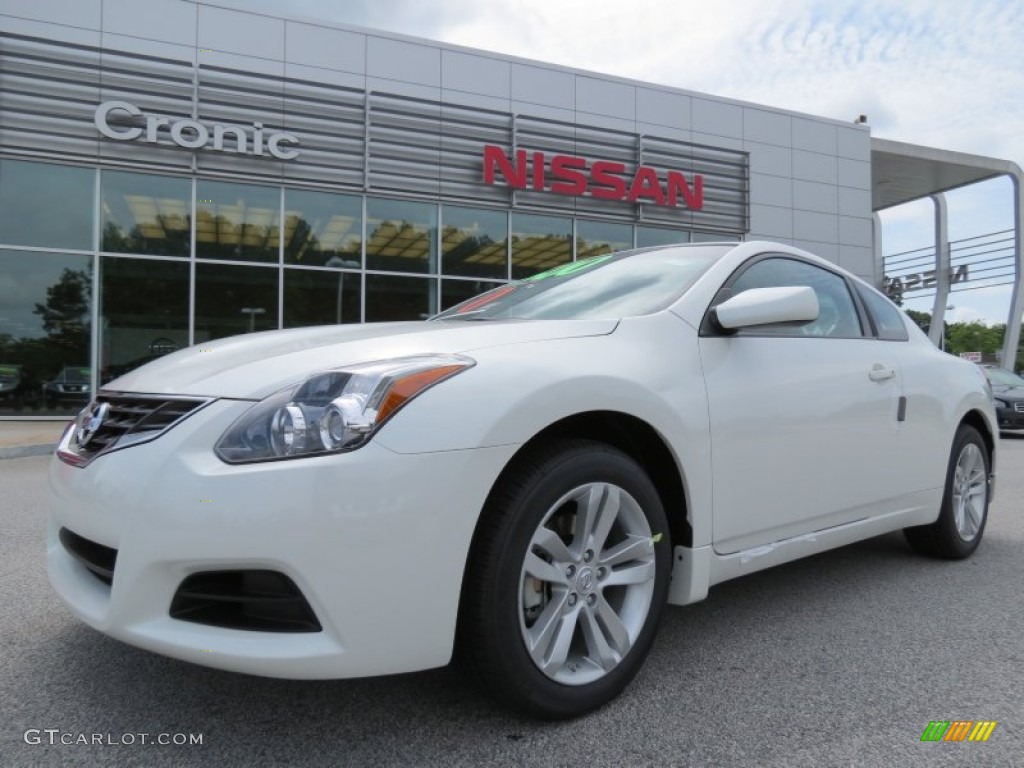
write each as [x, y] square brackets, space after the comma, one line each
[880, 372]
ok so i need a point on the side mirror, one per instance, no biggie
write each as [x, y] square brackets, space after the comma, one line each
[764, 306]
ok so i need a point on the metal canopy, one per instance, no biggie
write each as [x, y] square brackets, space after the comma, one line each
[904, 172]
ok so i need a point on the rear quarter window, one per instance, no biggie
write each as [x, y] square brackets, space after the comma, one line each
[887, 318]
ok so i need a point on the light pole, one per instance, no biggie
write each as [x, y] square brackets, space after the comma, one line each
[337, 262]
[252, 312]
[942, 338]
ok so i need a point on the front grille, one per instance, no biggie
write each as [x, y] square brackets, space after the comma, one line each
[1018, 407]
[129, 419]
[262, 601]
[99, 559]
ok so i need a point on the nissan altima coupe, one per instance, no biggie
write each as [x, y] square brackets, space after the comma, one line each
[522, 482]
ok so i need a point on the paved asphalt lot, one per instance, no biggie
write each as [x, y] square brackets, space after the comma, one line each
[841, 659]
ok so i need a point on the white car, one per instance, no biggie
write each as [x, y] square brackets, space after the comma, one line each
[525, 480]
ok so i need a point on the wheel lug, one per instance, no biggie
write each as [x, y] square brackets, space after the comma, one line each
[602, 572]
[591, 599]
[570, 571]
[572, 598]
[588, 556]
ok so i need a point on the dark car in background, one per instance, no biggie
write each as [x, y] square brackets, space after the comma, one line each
[70, 387]
[1008, 394]
[11, 383]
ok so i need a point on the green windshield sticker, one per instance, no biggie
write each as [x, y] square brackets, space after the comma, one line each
[569, 269]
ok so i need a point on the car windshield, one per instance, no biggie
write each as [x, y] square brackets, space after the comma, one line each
[1004, 377]
[611, 286]
[75, 375]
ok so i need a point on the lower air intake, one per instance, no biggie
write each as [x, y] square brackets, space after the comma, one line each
[261, 601]
[100, 560]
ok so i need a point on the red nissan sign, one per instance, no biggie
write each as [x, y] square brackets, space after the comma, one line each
[571, 175]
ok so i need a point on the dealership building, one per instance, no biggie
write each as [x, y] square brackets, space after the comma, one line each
[174, 171]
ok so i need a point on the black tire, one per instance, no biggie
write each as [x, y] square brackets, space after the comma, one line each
[494, 618]
[945, 538]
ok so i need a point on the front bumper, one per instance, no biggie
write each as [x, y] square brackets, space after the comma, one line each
[1009, 418]
[375, 540]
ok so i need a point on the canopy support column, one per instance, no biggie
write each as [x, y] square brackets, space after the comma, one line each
[1012, 337]
[938, 324]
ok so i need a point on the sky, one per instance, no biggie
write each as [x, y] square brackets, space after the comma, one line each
[944, 73]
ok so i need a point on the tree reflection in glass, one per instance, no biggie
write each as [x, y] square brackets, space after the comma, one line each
[146, 214]
[238, 222]
[323, 229]
[44, 332]
[401, 236]
[594, 238]
[474, 242]
[539, 243]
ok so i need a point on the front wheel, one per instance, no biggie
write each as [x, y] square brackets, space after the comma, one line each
[567, 580]
[957, 532]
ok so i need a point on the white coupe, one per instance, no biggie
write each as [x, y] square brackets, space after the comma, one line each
[523, 481]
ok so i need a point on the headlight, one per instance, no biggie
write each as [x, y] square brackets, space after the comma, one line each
[333, 411]
[1000, 403]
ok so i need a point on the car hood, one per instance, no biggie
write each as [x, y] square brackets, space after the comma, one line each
[255, 365]
[1009, 393]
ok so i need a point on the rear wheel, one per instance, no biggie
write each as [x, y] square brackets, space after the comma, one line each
[567, 580]
[958, 531]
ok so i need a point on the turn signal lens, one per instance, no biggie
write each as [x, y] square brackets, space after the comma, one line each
[406, 388]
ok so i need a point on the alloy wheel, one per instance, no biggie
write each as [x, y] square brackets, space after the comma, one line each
[970, 492]
[586, 583]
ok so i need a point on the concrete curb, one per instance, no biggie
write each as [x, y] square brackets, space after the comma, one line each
[20, 451]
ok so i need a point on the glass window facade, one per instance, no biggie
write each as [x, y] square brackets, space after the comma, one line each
[712, 237]
[393, 297]
[596, 237]
[232, 299]
[539, 243]
[474, 242]
[46, 205]
[251, 257]
[143, 312]
[147, 214]
[323, 229]
[647, 237]
[401, 236]
[237, 222]
[45, 332]
[321, 297]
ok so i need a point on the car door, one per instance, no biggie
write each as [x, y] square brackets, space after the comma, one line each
[803, 417]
